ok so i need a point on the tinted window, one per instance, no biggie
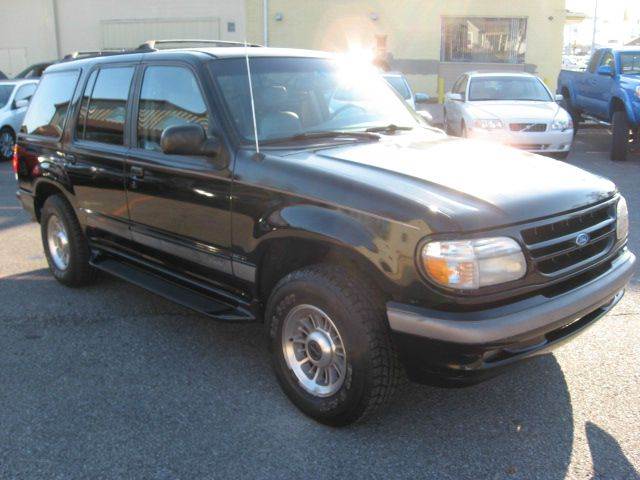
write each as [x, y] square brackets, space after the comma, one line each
[5, 94]
[49, 105]
[25, 92]
[595, 59]
[630, 63]
[84, 105]
[399, 85]
[169, 96]
[108, 106]
[607, 60]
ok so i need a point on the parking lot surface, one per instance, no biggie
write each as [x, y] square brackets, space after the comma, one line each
[113, 382]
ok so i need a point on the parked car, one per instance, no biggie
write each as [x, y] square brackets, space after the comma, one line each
[365, 241]
[34, 71]
[14, 98]
[401, 85]
[609, 91]
[515, 109]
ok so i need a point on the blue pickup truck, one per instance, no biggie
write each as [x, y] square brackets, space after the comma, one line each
[609, 91]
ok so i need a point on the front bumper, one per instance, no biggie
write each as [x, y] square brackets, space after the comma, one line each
[468, 346]
[551, 141]
[27, 201]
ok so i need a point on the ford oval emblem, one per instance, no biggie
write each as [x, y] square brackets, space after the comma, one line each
[582, 239]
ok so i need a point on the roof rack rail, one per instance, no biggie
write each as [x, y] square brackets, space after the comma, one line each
[94, 53]
[157, 44]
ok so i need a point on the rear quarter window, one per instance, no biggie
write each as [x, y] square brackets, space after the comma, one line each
[49, 105]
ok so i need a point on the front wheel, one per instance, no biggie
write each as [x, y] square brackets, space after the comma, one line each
[330, 344]
[7, 141]
[620, 137]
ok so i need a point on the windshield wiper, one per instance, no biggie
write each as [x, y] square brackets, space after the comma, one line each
[323, 134]
[391, 128]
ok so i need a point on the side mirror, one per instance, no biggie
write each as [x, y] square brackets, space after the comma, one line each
[20, 103]
[421, 98]
[189, 139]
[605, 70]
[559, 97]
[454, 97]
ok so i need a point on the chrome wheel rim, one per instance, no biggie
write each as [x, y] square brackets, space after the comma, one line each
[314, 350]
[6, 144]
[58, 242]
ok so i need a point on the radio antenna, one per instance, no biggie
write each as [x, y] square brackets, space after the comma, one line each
[253, 105]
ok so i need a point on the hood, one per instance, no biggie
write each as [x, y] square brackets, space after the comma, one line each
[536, 111]
[475, 184]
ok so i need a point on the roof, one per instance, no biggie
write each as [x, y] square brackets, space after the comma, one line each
[18, 81]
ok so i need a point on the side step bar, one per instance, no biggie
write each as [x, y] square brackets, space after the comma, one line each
[172, 290]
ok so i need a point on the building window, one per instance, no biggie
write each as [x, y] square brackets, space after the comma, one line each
[483, 40]
[231, 27]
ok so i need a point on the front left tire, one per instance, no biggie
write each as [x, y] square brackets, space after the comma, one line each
[330, 344]
[7, 141]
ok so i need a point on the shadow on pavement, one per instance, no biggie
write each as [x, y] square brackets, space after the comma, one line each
[142, 389]
[608, 459]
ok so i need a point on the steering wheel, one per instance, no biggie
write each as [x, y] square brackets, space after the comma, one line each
[347, 107]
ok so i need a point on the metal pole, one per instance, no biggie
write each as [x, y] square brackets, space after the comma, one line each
[265, 20]
[595, 24]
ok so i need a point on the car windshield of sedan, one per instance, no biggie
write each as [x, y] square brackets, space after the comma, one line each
[630, 63]
[297, 96]
[5, 93]
[508, 88]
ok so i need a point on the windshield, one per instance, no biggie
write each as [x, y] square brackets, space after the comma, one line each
[630, 63]
[5, 93]
[508, 88]
[295, 96]
[400, 86]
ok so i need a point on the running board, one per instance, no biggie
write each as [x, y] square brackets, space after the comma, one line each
[171, 290]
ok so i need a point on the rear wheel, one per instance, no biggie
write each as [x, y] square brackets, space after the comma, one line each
[576, 118]
[65, 245]
[330, 344]
[621, 135]
[7, 141]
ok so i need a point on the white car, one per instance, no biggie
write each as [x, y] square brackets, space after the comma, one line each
[14, 98]
[515, 109]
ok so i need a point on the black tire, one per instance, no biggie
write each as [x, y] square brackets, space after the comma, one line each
[447, 127]
[576, 118]
[358, 311]
[78, 272]
[463, 130]
[620, 137]
[7, 131]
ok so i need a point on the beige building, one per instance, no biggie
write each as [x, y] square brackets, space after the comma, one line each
[432, 41]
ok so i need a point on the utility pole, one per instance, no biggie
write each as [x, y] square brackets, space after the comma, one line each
[595, 25]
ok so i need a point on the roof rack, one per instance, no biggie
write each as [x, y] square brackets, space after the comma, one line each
[94, 53]
[158, 44]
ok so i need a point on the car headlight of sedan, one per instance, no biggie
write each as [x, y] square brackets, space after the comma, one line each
[474, 263]
[622, 219]
[488, 124]
[562, 122]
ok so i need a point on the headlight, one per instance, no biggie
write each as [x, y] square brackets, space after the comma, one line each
[471, 264]
[562, 123]
[488, 124]
[622, 219]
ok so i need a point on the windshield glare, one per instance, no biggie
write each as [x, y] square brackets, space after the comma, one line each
[5, 93]
[630, 63]
[300, 95]
[508, 88]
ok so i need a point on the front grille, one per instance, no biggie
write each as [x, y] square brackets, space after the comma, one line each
[554, 246]
[528, 127]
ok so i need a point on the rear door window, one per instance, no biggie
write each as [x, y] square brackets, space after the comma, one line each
[107, 108]
[48, 108]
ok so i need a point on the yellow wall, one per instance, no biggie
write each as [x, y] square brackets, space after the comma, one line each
[412, 27]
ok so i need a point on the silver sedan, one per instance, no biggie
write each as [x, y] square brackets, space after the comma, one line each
[14, 99]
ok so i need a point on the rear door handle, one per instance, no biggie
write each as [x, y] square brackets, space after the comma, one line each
[137, 172]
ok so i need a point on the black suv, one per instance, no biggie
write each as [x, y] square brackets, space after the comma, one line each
[369, 243]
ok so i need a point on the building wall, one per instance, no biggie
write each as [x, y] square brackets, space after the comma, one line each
[30, 26]
[413, 30]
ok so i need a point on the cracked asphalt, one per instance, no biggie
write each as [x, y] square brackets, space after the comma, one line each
[113, 382]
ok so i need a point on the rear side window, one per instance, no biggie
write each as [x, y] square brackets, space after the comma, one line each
[107, 107]
[170, 96]
[50, 103]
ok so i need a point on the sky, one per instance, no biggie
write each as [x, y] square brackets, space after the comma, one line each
[618, 21]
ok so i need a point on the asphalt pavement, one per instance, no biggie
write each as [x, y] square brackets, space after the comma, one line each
[110, 381]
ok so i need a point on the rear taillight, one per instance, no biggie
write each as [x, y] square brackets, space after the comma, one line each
[14, 159]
